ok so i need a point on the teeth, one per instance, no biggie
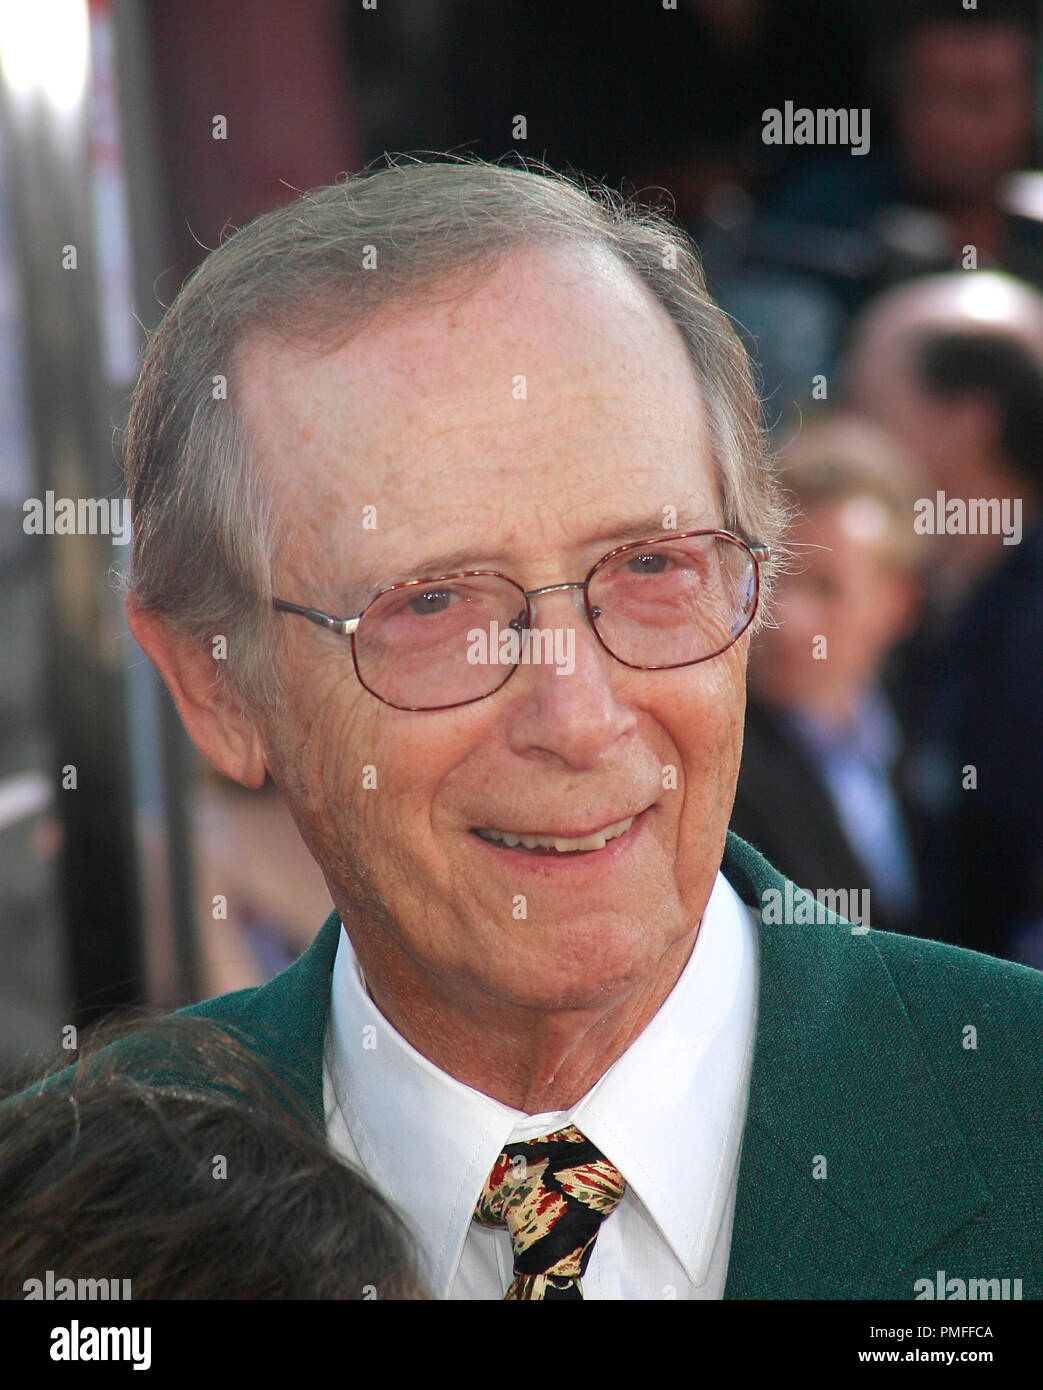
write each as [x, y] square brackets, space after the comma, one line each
[558, 842]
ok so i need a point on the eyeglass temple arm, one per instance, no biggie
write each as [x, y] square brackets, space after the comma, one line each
[345, 626]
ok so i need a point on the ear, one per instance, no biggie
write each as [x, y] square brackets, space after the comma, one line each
[216, 721]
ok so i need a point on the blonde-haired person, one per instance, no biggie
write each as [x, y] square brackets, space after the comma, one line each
[818, 720]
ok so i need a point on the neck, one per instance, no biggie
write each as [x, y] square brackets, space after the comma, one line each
[836, 709]
[535, 1060]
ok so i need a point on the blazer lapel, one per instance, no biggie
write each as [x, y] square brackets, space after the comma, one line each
[851, 1164]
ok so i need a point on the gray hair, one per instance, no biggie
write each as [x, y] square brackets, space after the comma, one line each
[205, 529]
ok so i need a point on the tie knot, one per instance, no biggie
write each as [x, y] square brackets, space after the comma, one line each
[552, 1194]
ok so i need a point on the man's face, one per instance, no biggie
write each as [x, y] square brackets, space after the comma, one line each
[841, 590]
[964, 118]
[523, 425]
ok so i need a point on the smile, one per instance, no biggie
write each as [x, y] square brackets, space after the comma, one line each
[562, 844]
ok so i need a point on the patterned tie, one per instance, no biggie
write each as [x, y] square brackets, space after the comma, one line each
[552, 1194]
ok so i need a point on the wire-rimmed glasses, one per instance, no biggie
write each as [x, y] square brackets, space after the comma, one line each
[436, 643]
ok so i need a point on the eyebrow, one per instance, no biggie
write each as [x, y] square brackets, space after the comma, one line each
[611, 533]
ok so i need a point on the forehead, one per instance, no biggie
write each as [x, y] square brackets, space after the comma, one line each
[516, 412]
[840, 535]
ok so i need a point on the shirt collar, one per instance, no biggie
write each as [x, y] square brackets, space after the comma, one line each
[670, 1111]
[429, 1142]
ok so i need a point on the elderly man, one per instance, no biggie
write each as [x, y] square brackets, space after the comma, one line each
[466, 470]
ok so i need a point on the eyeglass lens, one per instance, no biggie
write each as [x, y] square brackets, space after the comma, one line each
[668, 603]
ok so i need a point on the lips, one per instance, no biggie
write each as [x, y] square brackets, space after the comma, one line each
[537, 841]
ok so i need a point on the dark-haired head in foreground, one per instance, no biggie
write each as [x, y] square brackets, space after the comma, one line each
[221, 1188]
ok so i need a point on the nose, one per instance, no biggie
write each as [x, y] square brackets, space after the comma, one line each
[574, 716]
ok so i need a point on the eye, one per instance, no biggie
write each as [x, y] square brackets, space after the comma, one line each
[431, 601]
[648, 563]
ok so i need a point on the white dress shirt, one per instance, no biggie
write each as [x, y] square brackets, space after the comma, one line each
[669, 1113]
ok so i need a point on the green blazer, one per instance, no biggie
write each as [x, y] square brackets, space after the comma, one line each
[895, 1123]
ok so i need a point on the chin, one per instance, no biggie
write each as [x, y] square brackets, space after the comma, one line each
[581, 973]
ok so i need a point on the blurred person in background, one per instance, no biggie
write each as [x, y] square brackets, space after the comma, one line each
[953, 123]
[259, 892]
[955, 366]
[960, 91]
[206, 1181]
[819, 729]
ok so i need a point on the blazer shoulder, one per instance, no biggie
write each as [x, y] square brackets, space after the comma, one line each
[285, 1019]
[235, 1007]
[297, 995]
[924, 969]
[979, 1020]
